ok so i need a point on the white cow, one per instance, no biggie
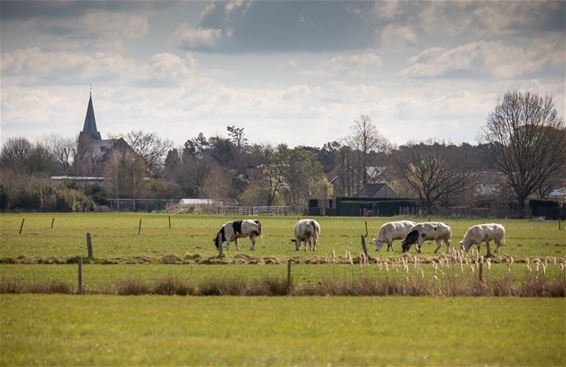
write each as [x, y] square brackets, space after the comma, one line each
[421, 232]
[479, 233]
[392, 231]
[307, 231]
[238, 229]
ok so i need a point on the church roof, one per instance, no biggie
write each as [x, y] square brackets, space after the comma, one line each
[89, 128]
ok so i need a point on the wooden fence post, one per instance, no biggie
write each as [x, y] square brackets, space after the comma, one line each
[289, 278]
[363, 241]
[139, 227]
[364, 248]
[89, 246]
[169, 221]
[80, 274]
[52, 221]
[22, 225]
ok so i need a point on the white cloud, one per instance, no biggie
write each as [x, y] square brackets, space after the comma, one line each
[98, 30]
[488, 59]
[188, 37]
[166, 66]
[34, 66]
[397, 37]
[353, 64]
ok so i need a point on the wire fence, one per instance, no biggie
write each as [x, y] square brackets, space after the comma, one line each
[453, 274]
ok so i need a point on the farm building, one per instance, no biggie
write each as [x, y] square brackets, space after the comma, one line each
[373, 200]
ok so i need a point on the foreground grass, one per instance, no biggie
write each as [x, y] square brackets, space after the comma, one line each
[116, 235]
[314, 331]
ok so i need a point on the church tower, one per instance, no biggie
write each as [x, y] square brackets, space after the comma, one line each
[89, 128]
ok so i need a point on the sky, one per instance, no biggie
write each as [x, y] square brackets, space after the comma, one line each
[294, 72]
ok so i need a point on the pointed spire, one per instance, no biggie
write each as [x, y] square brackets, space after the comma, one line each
[89, 128]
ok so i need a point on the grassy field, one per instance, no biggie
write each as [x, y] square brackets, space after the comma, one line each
[315, 331]
[116, 235]
[259, 331]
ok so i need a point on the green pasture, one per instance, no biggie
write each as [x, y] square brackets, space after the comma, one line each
[116, 235]
[276, 331]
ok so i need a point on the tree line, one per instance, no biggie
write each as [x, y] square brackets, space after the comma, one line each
[520, 155]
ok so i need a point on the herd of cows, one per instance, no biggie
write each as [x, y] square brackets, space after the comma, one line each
[307, 232]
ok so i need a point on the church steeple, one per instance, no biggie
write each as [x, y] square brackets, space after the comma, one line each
[89, 128]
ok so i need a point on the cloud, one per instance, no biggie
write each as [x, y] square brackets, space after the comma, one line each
[33, 66]
[66, 25]
[198, 38]
[397, 37]
[271, 26]
[353, 64]
[477, 59]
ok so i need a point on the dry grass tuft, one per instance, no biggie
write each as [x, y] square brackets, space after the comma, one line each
[132, 288]
[172, 286]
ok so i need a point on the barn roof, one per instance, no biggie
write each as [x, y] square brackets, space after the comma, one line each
[377, 191]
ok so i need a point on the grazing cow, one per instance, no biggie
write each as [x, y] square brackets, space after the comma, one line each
[479, 233]
[392, 231]
[307, 231]
[238, 229]
[422, 232]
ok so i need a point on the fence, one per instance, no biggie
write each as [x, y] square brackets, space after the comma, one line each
[141, 205]
[454, 274]
[466, 212]
[262, 210]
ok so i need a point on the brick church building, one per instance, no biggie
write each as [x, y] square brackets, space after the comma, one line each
[93, 151]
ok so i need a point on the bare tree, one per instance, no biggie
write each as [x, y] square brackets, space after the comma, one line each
[62, 149]
[530, 138]
[274, 179]
[431, 171]
[150, 147]
[366, 139]
[15, 154]
[305, 178]
[217, 184]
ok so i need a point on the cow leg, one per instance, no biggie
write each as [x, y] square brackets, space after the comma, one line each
[448, 243]
[252, 238]
[497, 245]
[236, 243]
[314, 244]
[227, 244]
[438, 244]
[389, 246]
[419, 246]
[297, 244]
[488, 249]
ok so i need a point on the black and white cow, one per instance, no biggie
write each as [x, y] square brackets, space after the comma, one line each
[233, 230]
[422, 232]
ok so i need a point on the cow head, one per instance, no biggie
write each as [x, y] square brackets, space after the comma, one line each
[411, 238]
[258, 227]
[297, 244]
